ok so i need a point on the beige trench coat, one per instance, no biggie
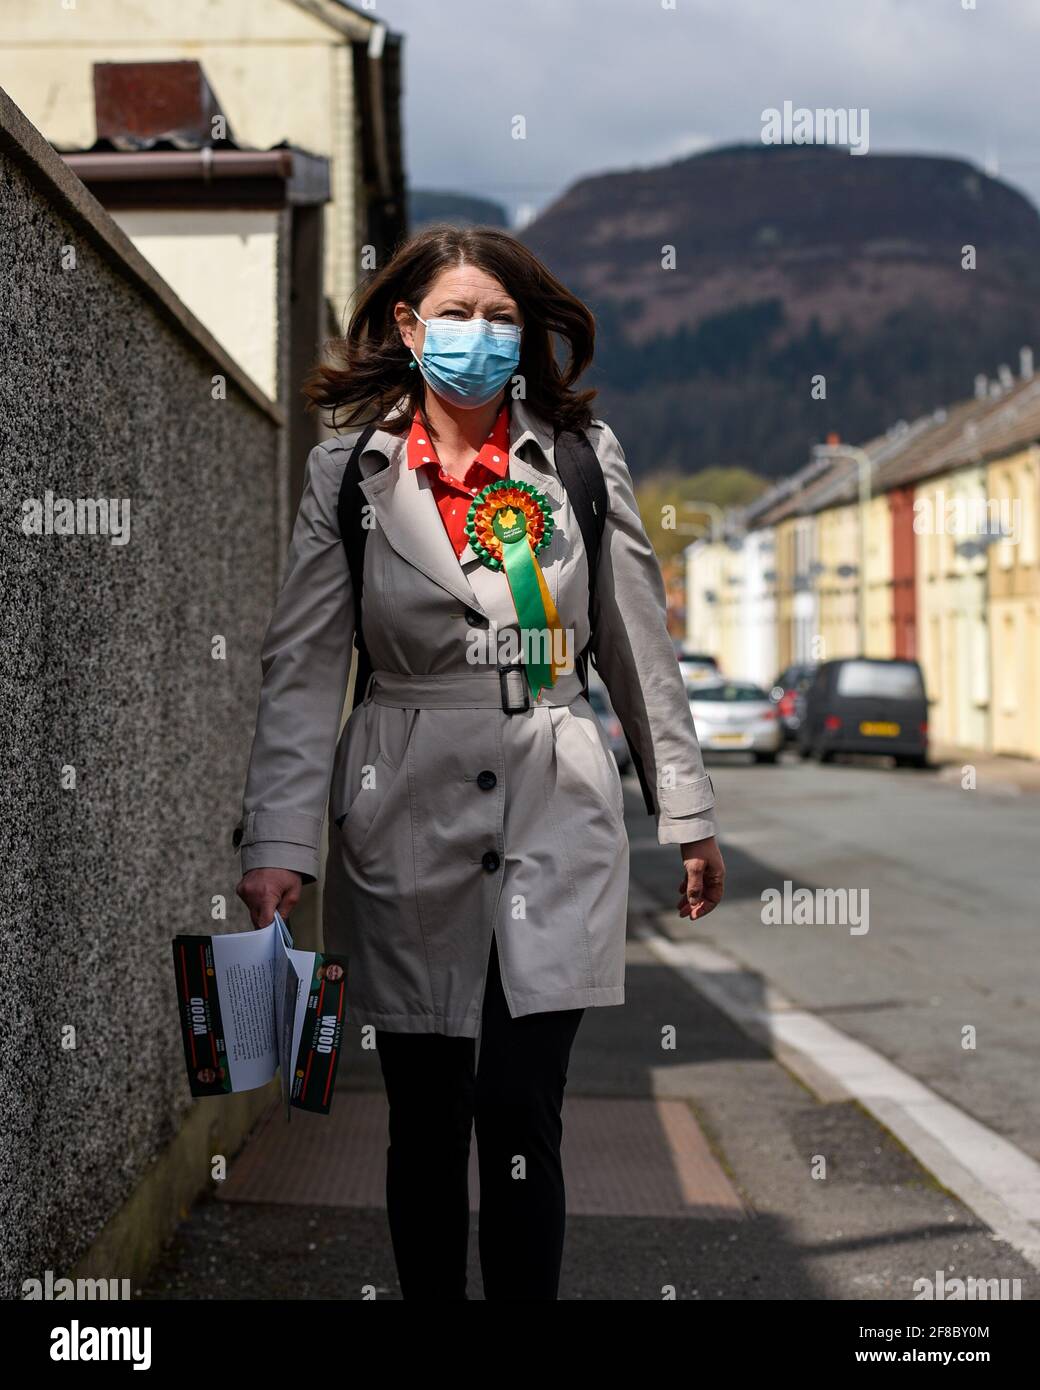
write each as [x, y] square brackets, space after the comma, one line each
[448, 818]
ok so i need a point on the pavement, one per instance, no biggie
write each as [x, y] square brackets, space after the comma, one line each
[997, 773]
[784, 1112]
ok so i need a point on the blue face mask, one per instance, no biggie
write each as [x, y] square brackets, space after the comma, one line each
[468, 361]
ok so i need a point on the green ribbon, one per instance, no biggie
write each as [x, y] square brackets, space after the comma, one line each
[534, 606]
[521, 573]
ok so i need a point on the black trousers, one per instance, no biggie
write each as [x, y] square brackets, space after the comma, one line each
[511, 1092]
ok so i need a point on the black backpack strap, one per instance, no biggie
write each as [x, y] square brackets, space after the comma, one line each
[582, 476]
[350, 514]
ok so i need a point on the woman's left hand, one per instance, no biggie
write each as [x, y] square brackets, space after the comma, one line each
[702, 885]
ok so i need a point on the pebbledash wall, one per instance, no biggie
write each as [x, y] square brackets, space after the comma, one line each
[125, 741]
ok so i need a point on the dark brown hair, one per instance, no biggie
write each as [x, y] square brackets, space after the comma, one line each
[365, 373]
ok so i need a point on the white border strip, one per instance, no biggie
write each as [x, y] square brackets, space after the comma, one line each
[992, 1177]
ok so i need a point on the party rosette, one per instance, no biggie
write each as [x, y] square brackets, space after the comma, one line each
[508, 523]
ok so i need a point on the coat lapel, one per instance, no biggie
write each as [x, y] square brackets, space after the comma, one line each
[407, 514]
[525, 426]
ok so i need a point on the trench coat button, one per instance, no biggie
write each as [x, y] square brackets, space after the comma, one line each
[490, 861]
[475, 619]
[486, 780]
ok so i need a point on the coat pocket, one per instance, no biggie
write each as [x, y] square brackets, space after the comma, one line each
[369, 762]
[355, 822]
[601, 763]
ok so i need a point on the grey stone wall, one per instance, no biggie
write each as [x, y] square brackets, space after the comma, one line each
[124, 741]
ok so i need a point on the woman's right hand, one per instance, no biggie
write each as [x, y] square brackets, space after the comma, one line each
[266, 891]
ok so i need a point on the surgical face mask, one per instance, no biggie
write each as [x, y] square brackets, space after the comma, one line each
[468, 361]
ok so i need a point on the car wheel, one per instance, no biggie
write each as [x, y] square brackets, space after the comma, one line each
[766, 757]
[821, 754]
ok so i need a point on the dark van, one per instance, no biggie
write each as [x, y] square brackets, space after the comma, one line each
[866, 705]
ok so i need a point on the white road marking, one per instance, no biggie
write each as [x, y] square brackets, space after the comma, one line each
[990, 1175]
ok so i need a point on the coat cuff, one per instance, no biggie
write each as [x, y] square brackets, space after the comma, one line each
[687, 812]
[279, 840]
[683, 832]
[270, 854]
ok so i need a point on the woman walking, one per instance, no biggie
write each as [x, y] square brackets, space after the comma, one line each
[477, 874]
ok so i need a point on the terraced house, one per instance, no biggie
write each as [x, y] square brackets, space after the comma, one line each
[923, 543]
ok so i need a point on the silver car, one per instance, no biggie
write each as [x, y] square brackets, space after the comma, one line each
[735, 717]
[698, 666]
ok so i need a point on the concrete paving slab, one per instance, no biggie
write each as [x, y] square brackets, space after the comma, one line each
[624, 1157]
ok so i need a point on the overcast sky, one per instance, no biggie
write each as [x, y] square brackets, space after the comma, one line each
[612, 84]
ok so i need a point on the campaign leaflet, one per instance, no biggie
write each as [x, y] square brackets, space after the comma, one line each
[251, 1006]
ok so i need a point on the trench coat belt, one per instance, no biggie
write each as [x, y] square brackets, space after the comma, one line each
[476, 689]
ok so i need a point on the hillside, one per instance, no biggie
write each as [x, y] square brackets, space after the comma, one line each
[791, 261]
[427, 205]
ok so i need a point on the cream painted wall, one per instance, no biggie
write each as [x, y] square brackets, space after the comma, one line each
[951, 612]
[730, 652]
[1014, 591]
[224, 266]
[704, 574]
[278, 74]
[786, 564]
[48, 52]
[839, 545]
[805, 622]
[880, 637]
[738, 625]
[758, 637]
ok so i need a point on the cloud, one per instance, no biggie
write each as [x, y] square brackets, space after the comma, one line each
[613, 84]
